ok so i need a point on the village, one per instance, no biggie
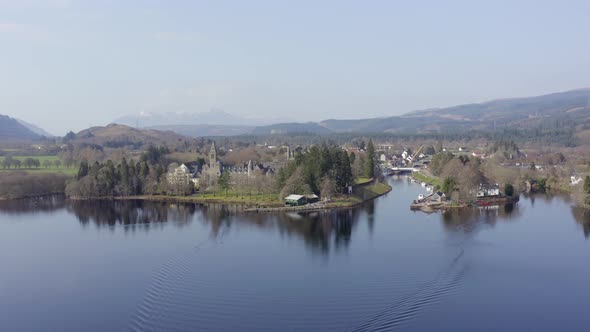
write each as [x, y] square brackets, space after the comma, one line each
[441, 171]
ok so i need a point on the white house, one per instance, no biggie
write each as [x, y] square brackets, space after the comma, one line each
[486, 190]
[575, 180]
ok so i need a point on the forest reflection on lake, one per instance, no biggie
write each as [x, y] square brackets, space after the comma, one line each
[318, 229]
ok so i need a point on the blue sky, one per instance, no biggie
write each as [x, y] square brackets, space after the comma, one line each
[67, 64]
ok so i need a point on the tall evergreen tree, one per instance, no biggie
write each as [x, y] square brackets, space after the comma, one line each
[587, 184]
[83, 170]
[370, 160]
[224, 181]
[449, 185]
[124, 177]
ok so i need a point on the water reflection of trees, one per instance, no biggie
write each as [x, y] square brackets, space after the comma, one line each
[129, 212]
[321, 231]
[470, 220]
[33, 205]
[582, 217]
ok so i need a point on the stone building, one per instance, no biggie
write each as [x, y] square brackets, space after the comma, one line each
[183, 175]
[212, 170]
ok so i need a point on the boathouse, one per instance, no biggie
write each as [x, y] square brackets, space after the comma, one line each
[295, 200]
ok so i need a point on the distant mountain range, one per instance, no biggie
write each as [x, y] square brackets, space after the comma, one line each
[11, 129]
[526, 112]
[215, 117]
[35, 129]
[570, 108]
[206, 130]
[502, 113]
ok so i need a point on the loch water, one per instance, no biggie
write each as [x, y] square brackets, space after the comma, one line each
[149, 266]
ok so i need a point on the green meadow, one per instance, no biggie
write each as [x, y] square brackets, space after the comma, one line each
[42, 169]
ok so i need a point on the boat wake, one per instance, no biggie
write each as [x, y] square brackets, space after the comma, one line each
[401, 311]
[183, 297]
[163, 298]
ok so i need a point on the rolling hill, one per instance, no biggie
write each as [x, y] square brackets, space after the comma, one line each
[290, 128]
[115, 136]
[11, 129]
[528, 112]
[37, 130]
[206, 130]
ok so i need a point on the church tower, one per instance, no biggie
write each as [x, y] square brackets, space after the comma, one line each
[213, 156]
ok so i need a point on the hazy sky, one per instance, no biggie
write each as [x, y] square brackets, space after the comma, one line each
[71, 64]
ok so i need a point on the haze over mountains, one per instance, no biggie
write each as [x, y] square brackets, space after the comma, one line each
[12, 129]
[215, 122]
[34, 128]
[501, 113]
[526, 112]
[212, 117]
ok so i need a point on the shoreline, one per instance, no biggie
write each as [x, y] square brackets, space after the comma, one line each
[31, 196]
[258, 206]
[320, 206]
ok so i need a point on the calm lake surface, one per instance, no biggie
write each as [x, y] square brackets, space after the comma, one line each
[143, 266]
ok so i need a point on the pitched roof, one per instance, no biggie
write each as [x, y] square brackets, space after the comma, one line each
[294, 197]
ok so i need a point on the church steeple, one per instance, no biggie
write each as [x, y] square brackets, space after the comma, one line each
[213, 156]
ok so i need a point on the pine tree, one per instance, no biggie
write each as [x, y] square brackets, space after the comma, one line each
[224, 182]
[370, 160]
[587, 184]
[449, 185]
[83, 170]
[124, 177]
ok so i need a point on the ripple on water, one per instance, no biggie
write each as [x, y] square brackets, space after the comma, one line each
[180, 299]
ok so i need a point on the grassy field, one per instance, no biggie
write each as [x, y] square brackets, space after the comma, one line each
[42, 169]
[222, 197]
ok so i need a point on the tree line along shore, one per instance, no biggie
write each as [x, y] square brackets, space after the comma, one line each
[325, 169]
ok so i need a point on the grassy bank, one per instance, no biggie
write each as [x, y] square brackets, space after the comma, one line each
[419, 176]
[222, 198]
[360, 181]
[361, 194]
